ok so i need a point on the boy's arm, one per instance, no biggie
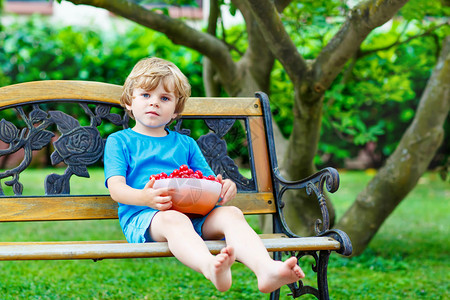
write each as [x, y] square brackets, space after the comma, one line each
[155, 198]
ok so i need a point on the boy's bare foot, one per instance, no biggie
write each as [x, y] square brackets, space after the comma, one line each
[281, 273]
[220, 271]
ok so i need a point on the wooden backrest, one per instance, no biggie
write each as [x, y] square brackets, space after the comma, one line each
[31, 119]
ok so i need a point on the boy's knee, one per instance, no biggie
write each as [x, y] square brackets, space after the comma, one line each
[232, 211]
[168, 217]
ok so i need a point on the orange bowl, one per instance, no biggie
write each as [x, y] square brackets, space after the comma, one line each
[192, 195]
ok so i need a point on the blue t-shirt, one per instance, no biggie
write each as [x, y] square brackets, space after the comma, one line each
[136, 156]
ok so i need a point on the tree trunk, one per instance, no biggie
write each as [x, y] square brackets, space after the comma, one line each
[405, 166]
[302, 211]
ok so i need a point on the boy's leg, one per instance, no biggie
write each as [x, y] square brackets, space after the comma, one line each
[188, 247]
[229, 222]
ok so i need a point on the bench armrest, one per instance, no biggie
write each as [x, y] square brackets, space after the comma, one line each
[312, 184]
[315, 184]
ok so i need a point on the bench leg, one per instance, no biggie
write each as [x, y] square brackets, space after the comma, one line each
[275, 295]
[322, 279]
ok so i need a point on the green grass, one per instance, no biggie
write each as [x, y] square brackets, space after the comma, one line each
[408, 258]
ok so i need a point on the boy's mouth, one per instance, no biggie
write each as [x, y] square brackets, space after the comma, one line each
[154, 113]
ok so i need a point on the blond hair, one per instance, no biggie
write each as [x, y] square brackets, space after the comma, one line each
[148, 73]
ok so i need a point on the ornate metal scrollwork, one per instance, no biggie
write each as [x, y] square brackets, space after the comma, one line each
[78, 146]
[214, 149]
[328, 177]
[310, 188]
[178, 128]
[319, 266]
[33, 137]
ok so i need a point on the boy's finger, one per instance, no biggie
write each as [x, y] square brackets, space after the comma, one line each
[164, 205]
[224, 198]
[165, 199]
[227, 193]
[165, 190]
[150, 183]
[225, 189]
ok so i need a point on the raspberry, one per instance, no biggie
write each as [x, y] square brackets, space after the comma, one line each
[184, 172]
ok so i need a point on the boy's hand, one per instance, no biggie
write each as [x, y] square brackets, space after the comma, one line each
[229, 189]
[157, 198]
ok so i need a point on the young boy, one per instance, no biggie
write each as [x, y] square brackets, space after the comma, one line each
[154, 94]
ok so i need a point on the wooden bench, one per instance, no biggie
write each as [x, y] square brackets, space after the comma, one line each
[76, 142]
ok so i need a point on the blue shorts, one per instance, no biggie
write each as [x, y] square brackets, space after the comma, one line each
[137, 231]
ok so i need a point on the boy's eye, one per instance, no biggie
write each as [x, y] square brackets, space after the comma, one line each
[145, 95]
[163, 98]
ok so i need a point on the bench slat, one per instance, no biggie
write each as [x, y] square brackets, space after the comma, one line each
[100, 207]
[39, 91]
[121, 249]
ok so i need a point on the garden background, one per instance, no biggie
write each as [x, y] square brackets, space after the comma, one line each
[364, 117]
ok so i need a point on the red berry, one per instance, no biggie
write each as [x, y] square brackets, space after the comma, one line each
[184, 168]
[199, 173]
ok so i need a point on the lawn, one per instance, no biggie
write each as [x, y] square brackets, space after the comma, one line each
[408, 258]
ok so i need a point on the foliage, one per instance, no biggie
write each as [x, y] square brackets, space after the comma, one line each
[375, 98]
[169, 2]
[37, 49]
[420, 10]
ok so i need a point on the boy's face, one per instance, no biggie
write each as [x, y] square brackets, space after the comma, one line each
[152, 110]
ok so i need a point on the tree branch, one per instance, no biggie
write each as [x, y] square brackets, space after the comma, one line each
[177, 31]
[282, 4]
[256, 60]
[214, 12]
[210, 82]
[429, 31]
[363, 18]
[277, 39]
[362, 53]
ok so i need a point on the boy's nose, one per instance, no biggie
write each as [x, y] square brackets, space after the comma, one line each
[154, 103]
